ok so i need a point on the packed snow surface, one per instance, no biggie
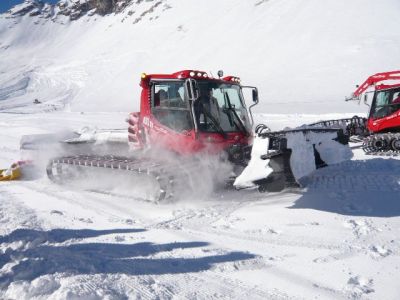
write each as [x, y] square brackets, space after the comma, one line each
[336, 239]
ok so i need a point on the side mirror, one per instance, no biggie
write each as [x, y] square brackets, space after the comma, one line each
[255, 95]
[191, 89]
[254, 92]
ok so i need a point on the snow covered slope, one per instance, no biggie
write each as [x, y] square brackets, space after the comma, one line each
[304, 55]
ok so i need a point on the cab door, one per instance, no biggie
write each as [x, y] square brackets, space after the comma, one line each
[171, 116]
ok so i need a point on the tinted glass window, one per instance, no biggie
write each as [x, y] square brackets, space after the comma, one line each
[220, 107]
[169, 94]
[386, 103]
[169, 105]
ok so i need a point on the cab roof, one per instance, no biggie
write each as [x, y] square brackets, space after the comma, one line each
[195, 74]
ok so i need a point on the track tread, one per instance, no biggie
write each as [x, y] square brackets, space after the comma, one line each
[382, 144]
[142, 166]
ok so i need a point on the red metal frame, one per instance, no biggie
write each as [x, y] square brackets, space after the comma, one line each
[378, 77]
[146, 131]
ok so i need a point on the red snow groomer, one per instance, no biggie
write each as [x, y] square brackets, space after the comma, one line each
[192, 128]
[380, 131]
[384, 115]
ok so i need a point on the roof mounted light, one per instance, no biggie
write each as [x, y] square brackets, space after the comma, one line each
[235, 79]
[143, 76]
[192, 74]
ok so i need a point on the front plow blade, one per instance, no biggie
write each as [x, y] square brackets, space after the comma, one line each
[286, 158]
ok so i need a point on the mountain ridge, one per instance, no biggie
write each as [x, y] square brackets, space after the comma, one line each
[73, 9]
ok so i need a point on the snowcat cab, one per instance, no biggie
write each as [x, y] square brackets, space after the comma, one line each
[189, 112]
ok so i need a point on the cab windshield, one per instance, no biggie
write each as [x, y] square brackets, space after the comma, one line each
[386, 102]
[220, 108]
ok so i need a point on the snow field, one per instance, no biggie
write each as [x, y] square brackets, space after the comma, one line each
[337, 239]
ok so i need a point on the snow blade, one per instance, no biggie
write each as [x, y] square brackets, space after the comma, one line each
[43, 141]
[285, 158]
[86, 141]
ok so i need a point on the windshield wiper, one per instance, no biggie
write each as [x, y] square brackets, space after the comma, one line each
[233, 112]
[214, 121]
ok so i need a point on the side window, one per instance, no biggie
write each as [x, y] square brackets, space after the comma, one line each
[169, 106]
[169, 95]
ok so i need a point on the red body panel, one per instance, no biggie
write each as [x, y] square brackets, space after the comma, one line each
[384, 124]
[146, 131]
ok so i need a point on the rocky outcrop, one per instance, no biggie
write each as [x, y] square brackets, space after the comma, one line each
[74, 9]
[31, 7]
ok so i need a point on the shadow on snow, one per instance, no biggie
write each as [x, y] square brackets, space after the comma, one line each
[59, 235]
[94, 258]
[358, 188]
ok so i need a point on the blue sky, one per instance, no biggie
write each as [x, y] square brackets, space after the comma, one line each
[7, 4]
